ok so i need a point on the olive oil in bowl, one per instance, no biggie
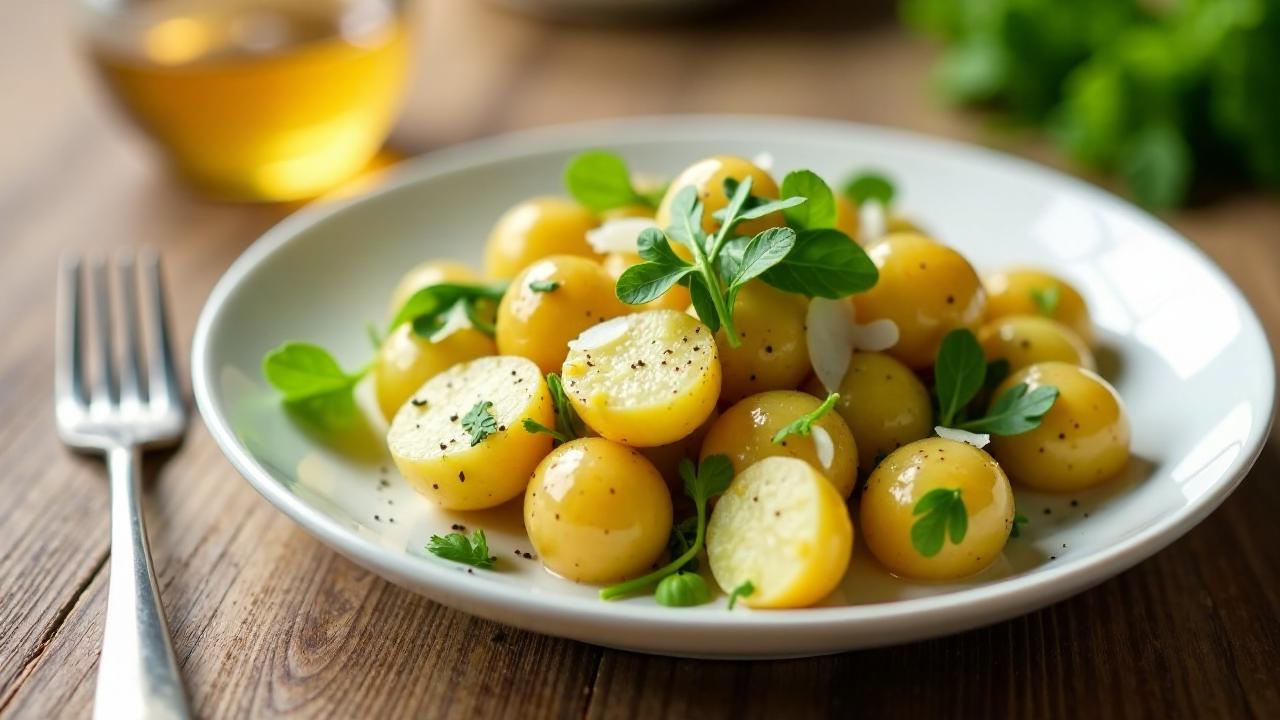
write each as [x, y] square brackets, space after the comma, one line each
[257, 99]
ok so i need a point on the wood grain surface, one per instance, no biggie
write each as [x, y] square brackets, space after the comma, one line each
[268, 622]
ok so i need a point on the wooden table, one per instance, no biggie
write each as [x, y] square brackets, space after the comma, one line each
[267, 621]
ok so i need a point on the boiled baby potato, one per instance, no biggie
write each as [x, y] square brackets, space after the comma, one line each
[644, 379]
[597, 512]
[464, 465]
[1025, 340]
[927, 289]
[1082, 441]
[884, 404]
[745, 433]
[1014, 292]
[535, 229]
[707, 177]
[406, 360]
[772, 354]
[782, 526]
[888, 508]
[432, 272]
[677, 298]
[549, 303]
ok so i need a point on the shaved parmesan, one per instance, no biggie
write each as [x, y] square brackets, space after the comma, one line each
[455, 319]
[600, 335]
[875, 336]
[978, 440]
[873, 222]
[763, 160]
[618, 235]
[824, 445]
[829, 333]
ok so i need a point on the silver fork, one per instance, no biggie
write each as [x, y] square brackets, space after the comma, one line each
[119, 416]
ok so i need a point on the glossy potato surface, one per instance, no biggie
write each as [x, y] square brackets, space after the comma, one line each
[1029, 339]
[432, 448]
[1011, 292]
[782, 526]
[1082, 441]
[534, 229]
[884, 404]
[405, 361]
[645, 379]
[597, 512]
[708, 176]
[745, 433]
[773, 353]
[927, 289]
[539, 324]
[887, 511]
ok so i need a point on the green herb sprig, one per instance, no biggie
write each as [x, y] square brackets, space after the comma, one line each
[709, 479]
[459, 548]
[803, 425]
[1019, 521]
[1046, 299]
[480, 422]
[568, 425]
[942, 515]
[312, 382]
[869, 187]
[746, 589]
[682, 589]
[960, 372]
[427, 308]
[599, 180]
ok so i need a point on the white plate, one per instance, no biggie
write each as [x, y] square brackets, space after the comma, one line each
[1183, 347]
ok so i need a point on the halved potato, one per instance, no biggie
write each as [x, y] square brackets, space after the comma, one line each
[441, 457]
[782, 526]
[645, 379]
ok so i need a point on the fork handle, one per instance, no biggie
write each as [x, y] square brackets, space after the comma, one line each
[137, 673]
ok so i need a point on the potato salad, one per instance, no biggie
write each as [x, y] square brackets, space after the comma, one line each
[709, 387]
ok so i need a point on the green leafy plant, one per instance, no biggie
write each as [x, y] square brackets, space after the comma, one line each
[682, 589]
[312, 382]
[427, 308]
[942, 515]
[810, 261]
[544, 286]
[709, 479]
[600, 181]
[459, 548]
[872, 186]
[803, 425]
[1046, 299]
[960, 372]
[568, 425]
[746, 589]
[1019, 521]
[480, 422]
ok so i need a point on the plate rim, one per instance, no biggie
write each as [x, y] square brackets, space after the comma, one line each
[908, 619]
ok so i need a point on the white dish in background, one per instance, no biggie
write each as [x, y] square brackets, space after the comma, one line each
[1180, 343]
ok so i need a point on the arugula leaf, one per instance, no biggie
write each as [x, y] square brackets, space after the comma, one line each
[568, 425]
[824, 263]
[648, 281]
[709, 479]
[943, 515]
[480, 422]
[958, 373]
[600, 181]
[869, 186]
[804, 424]
[1016, 411]
[312, 383]
[1019, 520]
[459, 548]
[682, 589]
[746, 589]
[545, 286]
[1046, 299]
[819, 208]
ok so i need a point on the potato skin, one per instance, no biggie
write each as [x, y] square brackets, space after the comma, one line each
[1025, 340]
[782, 526]
[884, 405]
[534, 229]
[597, 512]
[910, 472]
[1011, 292]
[539, 325]
[1082, 441]
[745, 431]
[432, 448]
[405, 361]
[708, 177]
[927, 289]
[773, 353]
